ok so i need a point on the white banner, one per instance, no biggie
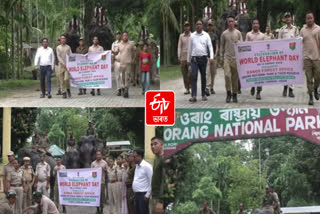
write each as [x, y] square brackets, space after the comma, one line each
[270, 62]
[80, 187]
[92, 70]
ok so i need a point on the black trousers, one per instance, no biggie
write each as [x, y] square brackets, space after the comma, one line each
[142, 206]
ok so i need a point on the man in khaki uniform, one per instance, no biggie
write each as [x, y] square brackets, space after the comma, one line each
[7, 206]
[129, 181]
[35, 140]
[286, 32]
[137, 69]
[212, 67]
[183, 46]
[44, 142]
[58, 167]
[255, 35]
[95, 47]
[42, 180]
[57, 71]
[276, 202]
[71, 143]
[63, 50]
[100, 163]
[82, 49]
[269, 35]
[127, 58]
[116, 62]
[15, 181]
[206, 209]
[28, 177]
[311, 56]
[228, 38]
[7, 169]
[114, 193]
[43, 205]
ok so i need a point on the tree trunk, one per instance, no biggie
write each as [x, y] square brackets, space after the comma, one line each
[6, 47]
[12, 43]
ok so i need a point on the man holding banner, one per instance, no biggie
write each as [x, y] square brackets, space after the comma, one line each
[255, 35]
[95, 48]
[228, 38]
[286, 32]
[310, 34]
[63, 50]
[100, 163]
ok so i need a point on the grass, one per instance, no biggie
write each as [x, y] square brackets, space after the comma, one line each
[10, 86]
[170, 72]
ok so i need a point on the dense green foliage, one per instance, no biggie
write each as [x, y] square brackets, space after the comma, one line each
[111, 124]
[227, 174]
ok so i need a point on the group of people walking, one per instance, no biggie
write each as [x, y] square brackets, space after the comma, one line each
[131, 63]
[198, 51]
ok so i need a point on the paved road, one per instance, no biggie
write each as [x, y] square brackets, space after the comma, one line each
[271, 96]
[83, 210]
[30, 98]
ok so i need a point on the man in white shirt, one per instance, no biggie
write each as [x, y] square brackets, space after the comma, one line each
[45, 58]
[200, 48]
[141, 182]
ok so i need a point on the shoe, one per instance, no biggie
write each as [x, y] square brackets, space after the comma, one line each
[92, 92]
[126, 93]
[207, 92]
[98, 92]
[228, 99]
[64, 209]
[204, 98]
[285, 90]
[119, 92]
[187, 92]
[252, 91]
[258, 96]
[193, 99]
[84, 91]
[291, 94]
[59, 93]
[316, 95]
[42, 96]
[69, 93]
[212, 91]
[310, 100]
[49, 96]
[234, 98]
[64, 95]
[80, 92]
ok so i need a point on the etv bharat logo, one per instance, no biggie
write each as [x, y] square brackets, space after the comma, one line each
[160, 108]
[104, 57]
[94, 174]
[292, 46]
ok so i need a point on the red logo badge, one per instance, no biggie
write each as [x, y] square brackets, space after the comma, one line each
[160, 108]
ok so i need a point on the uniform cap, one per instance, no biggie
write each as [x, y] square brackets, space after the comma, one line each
[186, 23]
[118, 32]
[26, 159]
[210, 22]
[286, 14]
[10, 153]
[11, 193]
[81, 38]
[37, 195]
[129, 153]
